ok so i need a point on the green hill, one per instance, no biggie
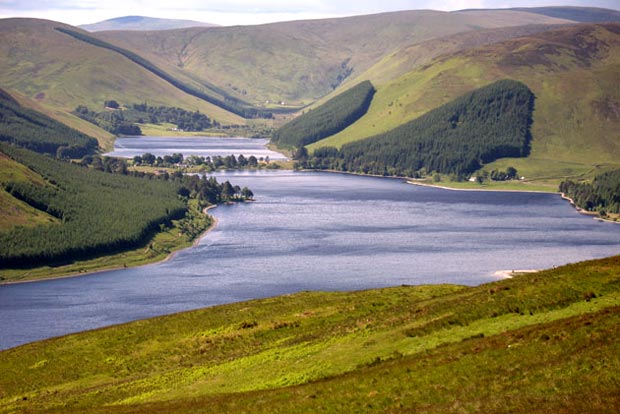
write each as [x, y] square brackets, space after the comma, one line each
[572, 71]
[299, 62]
[536, 343]
[457, 138]
[62, 72]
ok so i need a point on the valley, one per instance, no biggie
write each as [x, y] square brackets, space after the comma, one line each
[204, 218]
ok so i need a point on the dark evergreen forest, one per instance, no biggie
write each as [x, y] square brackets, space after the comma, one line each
[457, 138]
[35, 131]
[328, 119]
[100, 213]
[601, 195]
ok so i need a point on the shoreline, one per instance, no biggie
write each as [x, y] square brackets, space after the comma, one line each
[580, 210]
[170, 256]
[509, 274]
[489, 190]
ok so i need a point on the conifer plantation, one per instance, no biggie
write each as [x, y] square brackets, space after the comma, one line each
[457, 138]
[100, 212]
[328, 119]
[35, 131]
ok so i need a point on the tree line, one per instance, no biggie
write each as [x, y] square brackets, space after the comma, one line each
[328, 119]
[230, 103]
[38, 132]
[457, 138]
[210, 162]
[601, 195]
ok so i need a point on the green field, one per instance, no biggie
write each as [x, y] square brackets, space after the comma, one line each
[537, 342]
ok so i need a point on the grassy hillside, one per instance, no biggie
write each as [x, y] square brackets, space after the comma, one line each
[299, 62]
[535, 343]
[62, 72]
[34, 130]
[573, 72]
[14, 212]
[457, 138]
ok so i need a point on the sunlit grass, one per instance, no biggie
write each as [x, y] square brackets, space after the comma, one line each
[526, 344]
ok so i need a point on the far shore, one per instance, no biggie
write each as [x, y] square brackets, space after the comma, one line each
[497, 190]
[103, 269]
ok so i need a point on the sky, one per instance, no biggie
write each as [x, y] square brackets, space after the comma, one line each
[246, 12]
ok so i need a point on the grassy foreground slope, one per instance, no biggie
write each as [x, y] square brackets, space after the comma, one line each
[539, 342]
[299, 62]
[573, 72]
[62, 72]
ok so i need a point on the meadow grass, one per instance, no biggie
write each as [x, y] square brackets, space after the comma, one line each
[534, 343]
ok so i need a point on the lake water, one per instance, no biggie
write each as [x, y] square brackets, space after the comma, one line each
[199, 146]
[319, 231]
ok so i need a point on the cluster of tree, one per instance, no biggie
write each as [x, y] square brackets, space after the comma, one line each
[207, 189]
[100, 213]
[112, 121]
[210, 163]
[228, 102]
[35, 131]
[511, 173]
[602, 194]
[328, 119]
[185, 120]
[457, 138]
[124, 121]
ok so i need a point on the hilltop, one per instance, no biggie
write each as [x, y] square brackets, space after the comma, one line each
[142, 23]
[299, 62]
[572, 71]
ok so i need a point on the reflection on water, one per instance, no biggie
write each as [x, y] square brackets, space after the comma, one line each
[320, 231]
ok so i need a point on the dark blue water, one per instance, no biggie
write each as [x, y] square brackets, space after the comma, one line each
[320, 231]
[199, 146]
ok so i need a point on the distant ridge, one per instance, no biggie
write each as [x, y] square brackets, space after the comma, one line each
[576, 14]
[142, 23]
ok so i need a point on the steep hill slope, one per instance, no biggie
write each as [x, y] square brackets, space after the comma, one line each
[536, 343]
[142, 23]
[573, 72]
[62, 72]
[298, 62]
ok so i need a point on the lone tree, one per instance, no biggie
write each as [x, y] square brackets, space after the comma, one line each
[111, 104]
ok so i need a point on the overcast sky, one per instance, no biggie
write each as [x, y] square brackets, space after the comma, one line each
[244, 12]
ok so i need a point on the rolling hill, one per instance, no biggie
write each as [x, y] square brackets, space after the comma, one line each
[62, 72]
[142, 23]
[299, 62]
[278, 66]
[536, 343]
[573, 72]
